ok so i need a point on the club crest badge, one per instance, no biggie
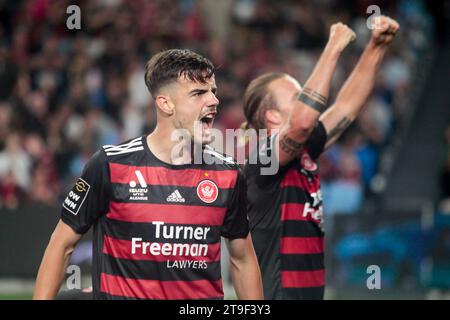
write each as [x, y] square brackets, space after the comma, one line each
[207, 191]
[307, 163]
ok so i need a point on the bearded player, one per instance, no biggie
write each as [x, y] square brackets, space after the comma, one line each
[285, 209]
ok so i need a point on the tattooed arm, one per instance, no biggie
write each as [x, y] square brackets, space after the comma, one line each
[312, 101]
[355, 91]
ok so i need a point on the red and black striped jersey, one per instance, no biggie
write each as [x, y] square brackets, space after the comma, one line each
[286, 222]
[157, 226]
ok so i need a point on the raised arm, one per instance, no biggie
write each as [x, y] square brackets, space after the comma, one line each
[244, 269]
[54, 264]
[355, 91]
[311, 102]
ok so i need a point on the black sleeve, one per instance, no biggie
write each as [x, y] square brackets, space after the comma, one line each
[317, 140]
[315, 144]
[235, 224]
[89, 197]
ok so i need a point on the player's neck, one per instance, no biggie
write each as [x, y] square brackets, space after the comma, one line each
[166, 150]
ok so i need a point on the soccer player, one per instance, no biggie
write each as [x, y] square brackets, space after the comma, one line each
[158, 217]
[285, 209]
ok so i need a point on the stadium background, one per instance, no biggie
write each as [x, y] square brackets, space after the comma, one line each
[65, 93]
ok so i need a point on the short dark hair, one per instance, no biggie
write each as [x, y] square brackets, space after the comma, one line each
[167, 66]
[258, 99]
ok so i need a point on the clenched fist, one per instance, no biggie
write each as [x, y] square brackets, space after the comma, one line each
[384, 30]
[340, 36]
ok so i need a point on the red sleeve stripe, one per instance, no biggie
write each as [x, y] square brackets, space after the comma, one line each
[120, 173]
[302, 279]
[162, 251]
[155, 289]
[169, 213]
[297, 245]
[294, 211]
[293, 178]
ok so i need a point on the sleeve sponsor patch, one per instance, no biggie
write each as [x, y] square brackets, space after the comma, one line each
[76, 196]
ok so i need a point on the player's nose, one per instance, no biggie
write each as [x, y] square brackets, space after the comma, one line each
[213, 100]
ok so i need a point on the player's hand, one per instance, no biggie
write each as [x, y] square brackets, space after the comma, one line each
[340, 36]
[384, 30]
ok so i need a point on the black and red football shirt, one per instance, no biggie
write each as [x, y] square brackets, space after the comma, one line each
[286, 222]
[157, 226]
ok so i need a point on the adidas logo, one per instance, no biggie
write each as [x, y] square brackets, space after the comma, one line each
[175, 197]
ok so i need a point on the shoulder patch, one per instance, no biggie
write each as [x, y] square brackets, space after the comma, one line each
[76, 196]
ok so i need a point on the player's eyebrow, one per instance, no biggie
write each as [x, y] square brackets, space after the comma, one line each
[202, 91]
[197, 91]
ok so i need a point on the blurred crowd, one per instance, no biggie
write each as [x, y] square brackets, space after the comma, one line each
[65, 93]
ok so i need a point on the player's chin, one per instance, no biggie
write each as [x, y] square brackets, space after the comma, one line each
[202, 136]
[207, 140]
[204, 140]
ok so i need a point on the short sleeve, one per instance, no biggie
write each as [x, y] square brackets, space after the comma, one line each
[317, 140]
[89, 197]
[263, 167]
[236, 224]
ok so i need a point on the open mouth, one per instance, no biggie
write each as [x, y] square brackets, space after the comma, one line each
[207, 120]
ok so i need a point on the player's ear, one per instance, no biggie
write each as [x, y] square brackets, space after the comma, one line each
[164, 104]
[273, 118]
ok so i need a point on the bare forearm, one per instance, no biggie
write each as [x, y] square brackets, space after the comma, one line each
[54, 263]
[51, 272]
[320, 78]
[356, 90]
[246, 279]
[354, 93]
[312, 100]
[317, 87]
